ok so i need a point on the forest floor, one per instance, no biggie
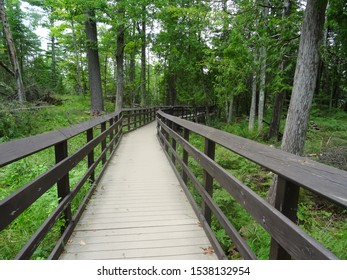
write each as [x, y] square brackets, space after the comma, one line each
[326, 142]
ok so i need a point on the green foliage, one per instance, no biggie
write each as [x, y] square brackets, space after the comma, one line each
[319, 218]
[17, 174]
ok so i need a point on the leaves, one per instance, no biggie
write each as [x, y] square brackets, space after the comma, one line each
[208, 251]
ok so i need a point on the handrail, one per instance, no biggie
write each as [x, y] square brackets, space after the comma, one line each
[111, 126]
[20, 148]
[293, 171]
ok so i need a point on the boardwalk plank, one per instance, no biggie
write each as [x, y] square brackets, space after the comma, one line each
[139, 210]
[153, 253]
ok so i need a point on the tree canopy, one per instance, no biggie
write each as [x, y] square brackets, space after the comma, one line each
[169, 52]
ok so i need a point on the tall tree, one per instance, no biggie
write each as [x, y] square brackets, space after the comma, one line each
[13, 54]
[274, 130]
[120, 56]
[254, 94]
[97, 104]
[305, 82]
[263, 57]
[305, 79]
[143, 55]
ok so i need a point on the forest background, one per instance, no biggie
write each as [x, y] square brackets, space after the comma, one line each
[240, 56]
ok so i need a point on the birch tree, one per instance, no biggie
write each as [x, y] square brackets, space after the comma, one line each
[13, 54]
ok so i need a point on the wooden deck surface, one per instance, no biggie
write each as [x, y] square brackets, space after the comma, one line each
[139, 210]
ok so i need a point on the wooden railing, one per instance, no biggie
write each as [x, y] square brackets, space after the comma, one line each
[294, 172]
[101, 135]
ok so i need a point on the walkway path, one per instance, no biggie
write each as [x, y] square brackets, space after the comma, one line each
[139, 210]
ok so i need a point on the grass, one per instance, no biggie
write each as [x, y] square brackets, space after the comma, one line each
[325, 222]
[319, 218]
[12, 177]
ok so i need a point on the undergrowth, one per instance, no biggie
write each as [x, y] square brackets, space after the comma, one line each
[322, 220]
[17, 124]
[326, 138]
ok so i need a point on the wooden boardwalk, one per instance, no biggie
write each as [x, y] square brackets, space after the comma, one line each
[139, 210]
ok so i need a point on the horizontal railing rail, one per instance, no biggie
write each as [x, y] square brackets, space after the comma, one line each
[294, 172]
[109, 128]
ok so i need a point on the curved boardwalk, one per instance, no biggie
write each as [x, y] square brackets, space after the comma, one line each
[139, 210]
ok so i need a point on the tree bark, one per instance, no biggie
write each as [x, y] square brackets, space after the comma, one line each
[254, 96]
[132, 70]
[263, 55]
[143, 57]
[275, 124]
[305, 79]
[54, 57]
[230, 110]
[95, 85]
[78, 71]
[305, 82]
[172, 88]
[120, 62]
[13, 54]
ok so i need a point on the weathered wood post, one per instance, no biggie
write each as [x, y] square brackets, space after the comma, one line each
[129, 115]
[111, 135]
[90, 155]
[103, 143]
[63, 185]
[173, 143]
[185, 155]
[286, 201]
[208, 179]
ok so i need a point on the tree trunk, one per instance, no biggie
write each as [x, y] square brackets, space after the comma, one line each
[120, 61]
[12, 53]
[275, 124]
[132, 70]
[54, 60]
[172, 88]
[262, 89]
[97, 104]
[105, 76]
[305, 79]
[263, 55]
[143, 57]
[78, 71]
[230, 110]
[305, 82]
[254, 96]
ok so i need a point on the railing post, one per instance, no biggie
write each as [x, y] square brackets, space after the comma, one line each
[63, 185]
[111, 135]
[103, 143]
[185, 155]
[286, 201]
[166, 135]
[135, 117]
[116, 119]
[128, 120]
[173, 143]
[90, 155]
[141, 117]
[208, 179]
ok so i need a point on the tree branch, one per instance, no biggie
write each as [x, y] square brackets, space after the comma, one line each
[7, 68]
